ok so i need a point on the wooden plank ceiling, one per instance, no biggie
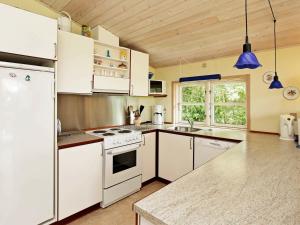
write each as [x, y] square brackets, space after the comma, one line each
[192, 30]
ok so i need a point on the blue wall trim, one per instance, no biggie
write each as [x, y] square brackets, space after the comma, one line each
[203, 77]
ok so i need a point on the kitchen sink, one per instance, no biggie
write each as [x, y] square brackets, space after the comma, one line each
[185, 129]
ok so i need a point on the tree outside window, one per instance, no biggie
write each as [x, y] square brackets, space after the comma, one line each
[229, 103]
[192, 103]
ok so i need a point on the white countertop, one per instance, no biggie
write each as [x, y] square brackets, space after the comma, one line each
[255, 182]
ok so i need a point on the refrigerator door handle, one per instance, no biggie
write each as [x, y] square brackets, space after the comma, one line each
[53, 88]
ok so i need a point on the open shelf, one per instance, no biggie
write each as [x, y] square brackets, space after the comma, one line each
[122, 77]
[110, 68]
[109, 58]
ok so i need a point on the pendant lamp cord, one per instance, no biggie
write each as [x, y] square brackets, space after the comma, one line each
[275, 41]
[246, 17]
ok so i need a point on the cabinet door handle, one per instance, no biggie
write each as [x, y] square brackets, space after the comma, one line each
[55, 50]
[215, 144]
[144, 139]
[191, 143]
[102, 149]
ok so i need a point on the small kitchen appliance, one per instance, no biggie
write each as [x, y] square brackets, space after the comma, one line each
[157, 87]
[122, 163]
[158, 116]
[286, 127]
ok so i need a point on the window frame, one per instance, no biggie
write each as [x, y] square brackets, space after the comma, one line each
[213, 104]
[209, 103]
[179, 103]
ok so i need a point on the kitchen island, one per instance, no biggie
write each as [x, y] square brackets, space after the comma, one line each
[255, 182]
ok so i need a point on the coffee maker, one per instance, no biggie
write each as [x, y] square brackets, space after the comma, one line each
[158, 114]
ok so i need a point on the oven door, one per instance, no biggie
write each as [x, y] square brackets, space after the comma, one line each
[121, 164]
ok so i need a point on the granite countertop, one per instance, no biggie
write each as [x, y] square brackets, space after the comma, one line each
[255, 182]
[226, 134]
[75, 139]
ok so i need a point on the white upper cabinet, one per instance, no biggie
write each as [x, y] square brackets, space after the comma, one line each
[26, 33]
[75, 63]
[139, 74]
[175, 156]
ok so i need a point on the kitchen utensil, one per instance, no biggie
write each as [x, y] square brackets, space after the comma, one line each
[150, 75]
[131, 114]
[137, 121]
[141, 109]
[137, 113]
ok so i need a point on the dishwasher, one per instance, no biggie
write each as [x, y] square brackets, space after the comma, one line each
[206, 149]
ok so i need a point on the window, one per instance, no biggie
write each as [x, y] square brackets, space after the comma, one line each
[213, 103]
[229, 103]
[192, 103]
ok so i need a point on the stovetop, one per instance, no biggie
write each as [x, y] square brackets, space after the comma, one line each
[116, 137]
[111, 132]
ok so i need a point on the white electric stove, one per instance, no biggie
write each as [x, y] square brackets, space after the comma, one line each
[122, 163]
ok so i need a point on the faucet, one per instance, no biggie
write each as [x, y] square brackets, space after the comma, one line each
[191, 122]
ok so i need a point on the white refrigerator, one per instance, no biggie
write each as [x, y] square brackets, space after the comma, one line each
[26, 144]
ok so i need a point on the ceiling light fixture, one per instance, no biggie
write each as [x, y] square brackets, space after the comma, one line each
[247, 59]
[276, 84]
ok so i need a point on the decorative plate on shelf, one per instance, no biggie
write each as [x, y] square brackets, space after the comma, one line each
[268, 77]
[291, 93]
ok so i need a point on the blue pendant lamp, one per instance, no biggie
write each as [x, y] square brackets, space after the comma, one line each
[276, 84]
[247, 59]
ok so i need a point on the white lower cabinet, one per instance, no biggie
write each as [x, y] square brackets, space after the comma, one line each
[80, 178]
[148, 150]
[175, 155]
[143, 221]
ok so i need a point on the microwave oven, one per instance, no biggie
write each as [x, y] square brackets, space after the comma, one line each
[157, 87]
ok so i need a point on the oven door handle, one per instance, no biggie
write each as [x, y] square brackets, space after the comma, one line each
[119, 153]
[122, 150]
